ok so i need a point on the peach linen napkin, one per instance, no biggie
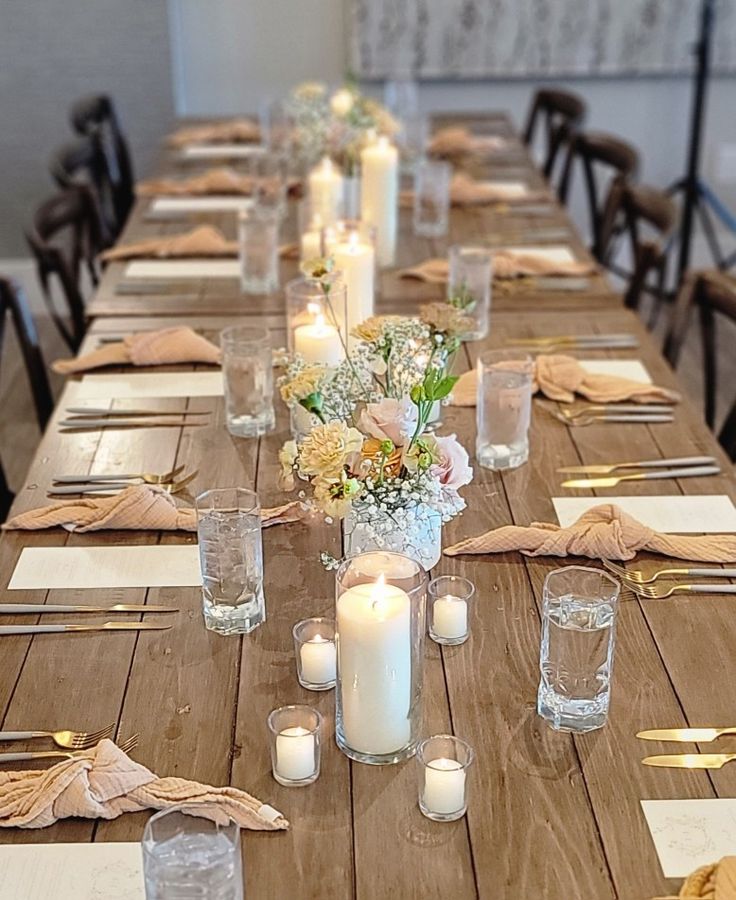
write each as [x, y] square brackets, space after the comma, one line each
[205, 240]
[713, 882]
[105, 783]
[604, 531]
[456, 141]
[138, 507]
[560, 378]
[168, 346]
[236, 131]
[506, 264]
[213, 181]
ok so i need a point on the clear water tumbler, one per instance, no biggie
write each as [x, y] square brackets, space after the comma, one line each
[258, 242]
[469, 287]
[578, 639]
[247, 370]
[503, 409]
[431, 197]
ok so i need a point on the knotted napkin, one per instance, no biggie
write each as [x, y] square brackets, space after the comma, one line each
[562, 377]
[214, 181]
[138, 507]
[236, 131]
[457, 141]
[105, 783]
[713, 882]
[604, 531]
[506, 264]
[204, 240]
[168, 346]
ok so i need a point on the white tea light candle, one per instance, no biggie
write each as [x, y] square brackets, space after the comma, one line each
[295, 757]
[450, 617]
[379, 193]
[319, 342]
[326, 191]
[444, 786]
[319, 660]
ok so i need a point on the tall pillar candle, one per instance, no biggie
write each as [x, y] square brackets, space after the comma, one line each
[379, 201]
[356, 260]
[326, 191]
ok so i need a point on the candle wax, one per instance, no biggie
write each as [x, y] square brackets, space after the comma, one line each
[318, 659]
[450, 617]
[295, 754]
[444, 786]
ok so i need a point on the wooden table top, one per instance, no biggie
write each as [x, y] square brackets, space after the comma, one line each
[550, 815]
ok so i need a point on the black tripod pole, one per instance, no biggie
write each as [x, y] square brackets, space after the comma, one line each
[689, 185]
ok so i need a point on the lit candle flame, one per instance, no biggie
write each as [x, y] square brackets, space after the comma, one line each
[378, 593]
[326, 164]
[353, 241]
[319, 323]
[313, 308]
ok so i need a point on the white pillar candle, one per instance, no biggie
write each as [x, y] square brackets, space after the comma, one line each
[450, 617]
[444, 786]
[357, 262]
[374, 659]
[319, 342]
[311, 239]
[379, 201]
[326, 191]
[295, 754]
[318, 659]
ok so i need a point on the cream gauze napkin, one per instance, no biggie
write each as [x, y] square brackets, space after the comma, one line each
[222, 182]
[236, 131]
[105, 783]
[506, 264]
[205, 240]
[456, 141]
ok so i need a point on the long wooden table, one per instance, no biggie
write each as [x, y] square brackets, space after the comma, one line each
[550, 815]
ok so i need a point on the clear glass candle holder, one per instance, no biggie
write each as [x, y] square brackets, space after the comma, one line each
[315, 653]
[311, 226]
[352, 245]
[578, 639]
[379, 628]
[503, 408]
[449, 609]
[317, 321]
[231, 560]
[185, 855]
[469, 287]
[431, 197]
[295, 734]
[443, 763]
[258, 243]
[247, 371]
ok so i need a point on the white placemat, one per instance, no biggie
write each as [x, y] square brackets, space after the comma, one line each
[173, 269]
[139, 385]
[220, 151]
[213, 203]
[622, 368]
[554, 253]
[675, 514]
[510, 190]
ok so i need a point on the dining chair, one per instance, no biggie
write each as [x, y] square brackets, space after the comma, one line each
[64, 238]
[95, 115]
[645, 218]
[82, 162]
[562, 113]
[13, 304]
[599, 155]
[713, 294]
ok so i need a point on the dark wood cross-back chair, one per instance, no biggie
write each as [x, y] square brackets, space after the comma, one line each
[96, 115]
[82, 162]
[596, 151]
[630, 209]
[712, 294]
[562, 113]
[64, 238]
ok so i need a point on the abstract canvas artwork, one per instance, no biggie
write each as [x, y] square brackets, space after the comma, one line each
[532, 38]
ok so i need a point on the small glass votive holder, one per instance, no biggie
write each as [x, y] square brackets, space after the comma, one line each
[449, 602]
[247, 369]
[184, 852]
[503, 408]
[258, 244]
[469, 287]
[316, 654]
[431, 197]
[294, 735]
[316, 321]
[443, 762]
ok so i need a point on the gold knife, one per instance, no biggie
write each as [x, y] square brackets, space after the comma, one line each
[613, 480]
[690, 760]
[15, 609]
[689, 735]
[641, 464]
[61, 629]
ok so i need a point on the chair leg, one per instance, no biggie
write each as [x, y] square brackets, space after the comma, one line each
[708, 339]
[680, 322]
[727, 436]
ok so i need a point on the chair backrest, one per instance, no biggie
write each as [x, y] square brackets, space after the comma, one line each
[630, 211]
[64, 238]
[595, 151]
[562, 113]
[13, 303]
[82, 162]
[96, 115]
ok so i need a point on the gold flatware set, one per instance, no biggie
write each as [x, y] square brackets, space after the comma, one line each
[98, 485]
[690, 736]
[619, 412]
[577, 342]
[609, 475]
[126, 746]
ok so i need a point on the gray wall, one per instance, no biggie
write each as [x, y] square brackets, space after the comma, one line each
[53, 51]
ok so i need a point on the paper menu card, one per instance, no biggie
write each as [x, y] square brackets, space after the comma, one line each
[103, 871]
[690, 833]
[212, 203]
[183, 268]
[220, 151]
[510, 190]
[552, 253]
[164, 565]
[697, 514]
[140, 385]
[621, 368]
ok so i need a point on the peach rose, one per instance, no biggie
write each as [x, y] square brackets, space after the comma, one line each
[452, 470]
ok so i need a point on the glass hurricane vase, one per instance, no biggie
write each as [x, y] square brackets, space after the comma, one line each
[415, 532]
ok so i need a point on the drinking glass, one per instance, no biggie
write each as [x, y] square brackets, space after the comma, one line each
[503, 408]
[469, 287]
[294, 734]
[247, 370]
[258, 241]
[277, 128]
[231, 560]
[268, 173]
[431, 197]
[186, 857]
[443, 762]
[576, 657]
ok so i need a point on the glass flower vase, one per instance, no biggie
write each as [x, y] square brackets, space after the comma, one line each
[415, 532]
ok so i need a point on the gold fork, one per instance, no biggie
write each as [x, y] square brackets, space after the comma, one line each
[126, 747]
[145, 477]
[635, 576]
[657, 592]
[103, 488]
[71, 740]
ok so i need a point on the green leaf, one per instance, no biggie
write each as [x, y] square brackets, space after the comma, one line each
[313, 402]
[445, 386]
